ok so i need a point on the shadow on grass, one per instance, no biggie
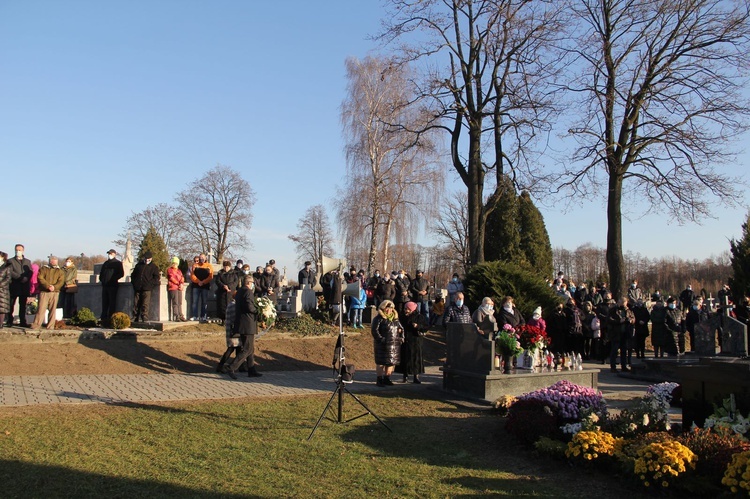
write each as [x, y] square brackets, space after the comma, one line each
[20, 479]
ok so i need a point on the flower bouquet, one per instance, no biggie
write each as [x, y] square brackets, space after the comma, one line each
[506, 342]
[532, 338]
[507, 345]
[266, 312]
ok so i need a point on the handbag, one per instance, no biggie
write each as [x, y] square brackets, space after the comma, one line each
[71, 288]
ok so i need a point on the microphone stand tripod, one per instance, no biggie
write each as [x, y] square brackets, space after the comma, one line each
[340, 360]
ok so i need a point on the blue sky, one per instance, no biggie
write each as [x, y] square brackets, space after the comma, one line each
[112, 106]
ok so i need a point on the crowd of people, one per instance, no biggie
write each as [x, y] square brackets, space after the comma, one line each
[50, 285]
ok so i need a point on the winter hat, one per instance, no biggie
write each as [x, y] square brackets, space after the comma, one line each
[410, 306]
[176, 260]
[537, 312]
[147, 255]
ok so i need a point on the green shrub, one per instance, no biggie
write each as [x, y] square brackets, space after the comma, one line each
[304, 325]
[120, 320]
[500, 279]
[84, 318]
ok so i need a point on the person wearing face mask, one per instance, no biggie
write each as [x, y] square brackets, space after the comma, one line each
[203, 274]
[111, 272]
[175, 287]
[458, 311]
[145, 278]
[402, 283]
[484, 318]
[696, 315]
[51, 281]
[660, 336]
[454, 286]
[386, 289]
[226, 282]
[246, 327]
[509, 314]
[20, 285]
[537, 320]
[674, 327]
[239, 273]
[418, 288]
[67, 299]
[634, 292]
[4, 288]
[415, 327]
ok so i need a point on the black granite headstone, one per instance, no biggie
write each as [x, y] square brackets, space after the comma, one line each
[705, 337]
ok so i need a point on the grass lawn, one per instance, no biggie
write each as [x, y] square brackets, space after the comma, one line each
[258, 448]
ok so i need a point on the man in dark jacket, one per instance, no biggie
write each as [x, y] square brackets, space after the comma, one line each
[620, 330]
[226, 283]
[20, 285]
[686, 298]
[306, 276]
[418, 289]
[145, 279]
[402, 292]
[246, 325]
[675, 326]
[111, 272]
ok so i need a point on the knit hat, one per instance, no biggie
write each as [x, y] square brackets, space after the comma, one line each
[176, 260]
[410, 306]
[538, 311]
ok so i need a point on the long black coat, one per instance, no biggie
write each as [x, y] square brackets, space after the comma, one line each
[388, 336]
[415, 326]
[5, 289]
[246, 313]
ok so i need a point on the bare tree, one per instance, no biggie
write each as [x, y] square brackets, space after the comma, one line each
[487, 71]
[452, 229]
[660, 86]
[169, 223]
[314, 239]
[390, 170]
[217, 209]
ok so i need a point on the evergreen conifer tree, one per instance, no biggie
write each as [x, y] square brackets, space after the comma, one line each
[502, 234]
[740, 259]
[154, 243]
[534, 239]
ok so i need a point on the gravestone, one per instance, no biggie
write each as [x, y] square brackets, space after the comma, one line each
[470, 370]
[733, 337]
[705, 337]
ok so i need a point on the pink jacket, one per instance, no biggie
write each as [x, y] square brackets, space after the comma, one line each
[175, 279]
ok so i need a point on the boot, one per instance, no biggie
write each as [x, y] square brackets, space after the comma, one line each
[387, 381]
[253, 373]
[405, 378]
[417, 380]
[379, 382]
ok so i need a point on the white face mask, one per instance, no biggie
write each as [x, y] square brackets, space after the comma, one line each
[68, 264]
[508, 307]
[110, 256]
[19, 254]
[2, 261]
[148, 260]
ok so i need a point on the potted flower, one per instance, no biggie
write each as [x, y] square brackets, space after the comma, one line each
[507, 345]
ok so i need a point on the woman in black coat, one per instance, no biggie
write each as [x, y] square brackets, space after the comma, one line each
[4, 287]
[415, 326]
[388, 335]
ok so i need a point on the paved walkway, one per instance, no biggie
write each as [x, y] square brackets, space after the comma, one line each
[134, 388]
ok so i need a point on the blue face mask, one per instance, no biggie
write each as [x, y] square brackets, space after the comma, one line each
[671, 305]
[455, 279]
[459, 303]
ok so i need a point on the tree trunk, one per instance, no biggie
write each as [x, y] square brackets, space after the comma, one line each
[615, 260]
[386, 242]
[476, 195]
